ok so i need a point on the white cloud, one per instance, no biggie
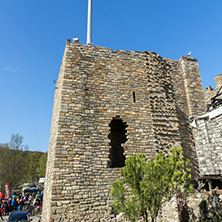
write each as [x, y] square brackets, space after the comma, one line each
[9, 68]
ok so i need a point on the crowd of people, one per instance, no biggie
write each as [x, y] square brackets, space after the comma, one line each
[28, 202]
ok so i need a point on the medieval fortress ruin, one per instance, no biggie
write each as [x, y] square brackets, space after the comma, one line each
[113, 104]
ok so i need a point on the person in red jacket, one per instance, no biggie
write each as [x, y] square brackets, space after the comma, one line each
[1, 195]
[1, 209]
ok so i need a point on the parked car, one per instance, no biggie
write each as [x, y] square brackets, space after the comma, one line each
[19, 216]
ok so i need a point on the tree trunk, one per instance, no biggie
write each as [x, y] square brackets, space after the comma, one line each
[153, 218]
[146, 217]
[182, 208]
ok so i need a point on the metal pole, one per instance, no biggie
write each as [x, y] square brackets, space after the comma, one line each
[89, 25]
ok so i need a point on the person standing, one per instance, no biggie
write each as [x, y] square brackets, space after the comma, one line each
[1, 215]
[13, 203]
[1, 195]
[1, 210]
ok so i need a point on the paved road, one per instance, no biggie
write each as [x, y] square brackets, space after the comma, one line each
[34, 218]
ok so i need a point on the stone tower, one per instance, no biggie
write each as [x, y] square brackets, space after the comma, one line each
[110, 105]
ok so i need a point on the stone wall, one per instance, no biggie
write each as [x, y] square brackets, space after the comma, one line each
[208, 139]
[54, 140]
[208, 135]
[169, 212]
[144, 98]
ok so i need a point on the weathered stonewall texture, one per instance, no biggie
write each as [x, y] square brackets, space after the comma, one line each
[169, 212]
[208, 136]
[110, 105]
[208, 139]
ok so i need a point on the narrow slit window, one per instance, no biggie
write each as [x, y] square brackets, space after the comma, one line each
[134, 97]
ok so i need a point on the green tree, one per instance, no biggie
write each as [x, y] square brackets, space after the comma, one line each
[3, 170]
[13, 160]
[42, 165]
[33, 160]
[147, 184]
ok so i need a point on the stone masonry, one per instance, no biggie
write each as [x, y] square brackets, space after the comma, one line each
[208, 139]
[208, 136]
[110, 105]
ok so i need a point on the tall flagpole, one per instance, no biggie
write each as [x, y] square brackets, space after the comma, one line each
[89, 25]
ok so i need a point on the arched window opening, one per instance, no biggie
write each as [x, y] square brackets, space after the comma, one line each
[117, 137]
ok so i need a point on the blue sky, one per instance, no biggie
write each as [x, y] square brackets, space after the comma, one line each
[34, 33]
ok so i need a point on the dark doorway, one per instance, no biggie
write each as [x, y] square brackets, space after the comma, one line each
[117, 137]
